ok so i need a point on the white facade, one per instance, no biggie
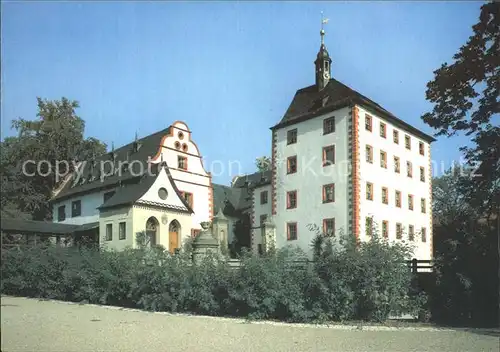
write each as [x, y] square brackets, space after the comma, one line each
[89, 204]
[195, 179]
[387, 177]
[310, 177]
[260, 208]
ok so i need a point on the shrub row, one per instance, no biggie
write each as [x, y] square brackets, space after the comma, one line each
[364, 283]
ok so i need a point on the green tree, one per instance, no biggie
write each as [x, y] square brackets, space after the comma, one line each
[56, 136]
[466, 256]
[263, 163]
[465, 97]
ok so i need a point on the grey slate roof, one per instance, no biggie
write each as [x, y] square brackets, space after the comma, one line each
[253, 180]
[39, 227]
[149, 146]
[237, 199]
[129, 194]
[308, 103]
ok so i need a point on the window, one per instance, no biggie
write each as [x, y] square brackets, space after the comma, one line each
[329, 155]
[396, 165]
[291, 200]
[398, 199]
[422, 174]
[395, 136]
[399, 231]
[263, 219]
[368, 123]
[329, 227]
[182, 162]
[108, 195]
[109, 232]
[369, 191]
[409, 169]
[195, 232]
[61, 213]
[421, 148]
[383, 130]
[329, 193]
[291, 231]
[385, 228]
[411, 233]
[369, 154]
[162, 193]
[369, 226]
[329, 125]
[422, 205]
[76, 208]
[121, 230]
[263, 197]
[188, 197]
[385, 195]
[383, 159]
[291, 165]
[407, 142]
[424, 234]
[291, 136]
[410, 201]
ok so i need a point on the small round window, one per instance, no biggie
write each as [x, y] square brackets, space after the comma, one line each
[177, 145]
[162, 193]
[184, 147]
[180, 135]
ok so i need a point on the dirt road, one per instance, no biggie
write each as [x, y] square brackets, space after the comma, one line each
[33, 325]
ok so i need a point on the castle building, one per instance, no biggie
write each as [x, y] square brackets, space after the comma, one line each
[340, 163]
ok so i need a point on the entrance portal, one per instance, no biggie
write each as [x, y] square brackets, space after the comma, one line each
[174, 231]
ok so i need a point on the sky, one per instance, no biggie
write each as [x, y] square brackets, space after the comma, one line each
[227, 69]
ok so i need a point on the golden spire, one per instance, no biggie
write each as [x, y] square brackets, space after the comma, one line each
[322, 32]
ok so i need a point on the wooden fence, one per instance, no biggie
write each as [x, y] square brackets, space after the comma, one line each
[415, 265]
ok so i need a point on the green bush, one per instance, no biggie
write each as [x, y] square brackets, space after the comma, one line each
[345, 281]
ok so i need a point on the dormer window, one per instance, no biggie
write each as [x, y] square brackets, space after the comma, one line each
[136, 146]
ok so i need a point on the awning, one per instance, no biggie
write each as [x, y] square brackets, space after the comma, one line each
[86, 227]
[39, 227]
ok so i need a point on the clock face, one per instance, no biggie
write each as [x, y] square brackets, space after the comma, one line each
[326, 75]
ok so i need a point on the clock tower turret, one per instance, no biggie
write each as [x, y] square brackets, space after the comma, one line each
[323, 61]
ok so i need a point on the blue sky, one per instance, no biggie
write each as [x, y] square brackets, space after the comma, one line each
[228, 69]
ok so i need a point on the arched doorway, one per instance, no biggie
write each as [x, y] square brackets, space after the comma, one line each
[152, 228]
[174, 233]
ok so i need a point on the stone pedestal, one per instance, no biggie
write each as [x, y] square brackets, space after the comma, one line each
[220, 229]
[268, 236]
[204, 244]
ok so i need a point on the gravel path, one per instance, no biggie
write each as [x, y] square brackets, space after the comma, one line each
[33, 325]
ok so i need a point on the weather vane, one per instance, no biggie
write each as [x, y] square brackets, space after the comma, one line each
[323, 22]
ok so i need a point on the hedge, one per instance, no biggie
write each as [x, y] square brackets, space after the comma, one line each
[368, 281]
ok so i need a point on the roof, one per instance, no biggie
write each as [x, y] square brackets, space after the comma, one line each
[308, 103]
[39, 227]
[148, 147]
[253, 180]
[130, 193]
[238, 198]
[88, 226]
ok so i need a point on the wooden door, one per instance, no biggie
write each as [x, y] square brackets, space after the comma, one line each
[173, 241]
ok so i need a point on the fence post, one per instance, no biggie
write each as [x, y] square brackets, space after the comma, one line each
[414, 264]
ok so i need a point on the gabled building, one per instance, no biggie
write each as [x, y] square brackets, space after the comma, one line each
[156, 185]
[343, 162]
